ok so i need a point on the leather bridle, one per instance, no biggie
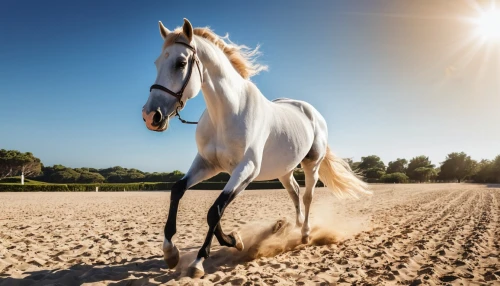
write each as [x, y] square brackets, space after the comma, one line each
[179, 94]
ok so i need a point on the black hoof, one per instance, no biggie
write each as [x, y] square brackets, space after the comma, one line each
[238, 243]
[171, 257]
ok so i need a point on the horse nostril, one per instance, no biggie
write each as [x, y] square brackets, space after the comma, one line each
[157, 118]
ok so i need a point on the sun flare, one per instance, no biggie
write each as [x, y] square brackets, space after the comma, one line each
[488, 25]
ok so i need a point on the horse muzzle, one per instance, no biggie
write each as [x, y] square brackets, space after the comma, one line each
[155, 120]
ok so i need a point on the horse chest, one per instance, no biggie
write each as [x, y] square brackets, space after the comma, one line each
[227, 153]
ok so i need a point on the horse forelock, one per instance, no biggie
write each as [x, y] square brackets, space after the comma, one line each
[175, 36]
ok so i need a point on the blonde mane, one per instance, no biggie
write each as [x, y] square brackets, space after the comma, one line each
[242, 58]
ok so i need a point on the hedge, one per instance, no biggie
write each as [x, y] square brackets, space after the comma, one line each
[79, 187]
[157, 186]
[33, 188]
[10, 187]
[17, 180]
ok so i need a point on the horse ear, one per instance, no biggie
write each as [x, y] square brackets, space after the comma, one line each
[187, 29]
[163, 31]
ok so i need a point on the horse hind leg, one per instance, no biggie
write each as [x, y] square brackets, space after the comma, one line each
[230, 240]
[311, 172]
[291, 185]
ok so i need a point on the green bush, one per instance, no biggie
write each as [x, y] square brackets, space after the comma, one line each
[105, 187]
[83, 187]
[157, 186]
[395, 178]
[299, 174]
[17, 180]
[11, 180]
[120, 187]
[16, 187]
[33, 188]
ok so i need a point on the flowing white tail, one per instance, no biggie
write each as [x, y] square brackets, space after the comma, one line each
[337, 175]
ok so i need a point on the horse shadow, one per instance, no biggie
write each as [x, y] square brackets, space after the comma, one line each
[260, 241]
[493, 186]
[137, 271]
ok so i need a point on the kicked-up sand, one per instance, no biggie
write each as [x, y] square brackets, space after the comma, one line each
[428, 234]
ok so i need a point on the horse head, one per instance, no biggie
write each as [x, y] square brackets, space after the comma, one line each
[174, 84]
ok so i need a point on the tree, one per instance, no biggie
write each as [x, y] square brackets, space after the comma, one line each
[495, 170]
[398, 166]
[457, 166]
[374, 173]
[175, 176]
[485, 172]
[425, 173]
[395, 178]
[371, 167]
[64, 176]
[371, 161]
[354, 165]
[7, 162]
[89, 178]
[15, 163]
[119, 174]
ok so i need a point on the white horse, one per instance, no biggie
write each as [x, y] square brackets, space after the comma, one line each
[241, 132]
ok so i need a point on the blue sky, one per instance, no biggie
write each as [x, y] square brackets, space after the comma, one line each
[392, 78]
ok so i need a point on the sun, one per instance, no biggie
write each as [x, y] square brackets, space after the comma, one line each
[488, 25]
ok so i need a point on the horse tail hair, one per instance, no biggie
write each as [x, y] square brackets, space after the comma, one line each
[337, 175]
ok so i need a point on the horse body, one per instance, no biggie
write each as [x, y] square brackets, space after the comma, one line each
[286, 127]
[241, 133]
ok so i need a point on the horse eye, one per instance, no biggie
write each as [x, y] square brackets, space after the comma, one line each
[181, 64]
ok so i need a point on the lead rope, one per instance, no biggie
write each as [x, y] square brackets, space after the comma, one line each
[182, 120]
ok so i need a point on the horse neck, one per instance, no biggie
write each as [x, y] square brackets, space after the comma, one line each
[223, 88]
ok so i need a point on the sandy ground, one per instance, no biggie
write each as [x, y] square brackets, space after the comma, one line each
[403, 234]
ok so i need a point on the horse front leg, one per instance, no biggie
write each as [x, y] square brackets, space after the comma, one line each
[242, 175]
[200, 170]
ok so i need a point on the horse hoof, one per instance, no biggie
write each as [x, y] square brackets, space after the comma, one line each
[305, 239]
[170, 255]
[238, 242]
[172, 260]
[195, 270]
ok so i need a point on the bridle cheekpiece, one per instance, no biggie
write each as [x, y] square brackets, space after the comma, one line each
[179, 94]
